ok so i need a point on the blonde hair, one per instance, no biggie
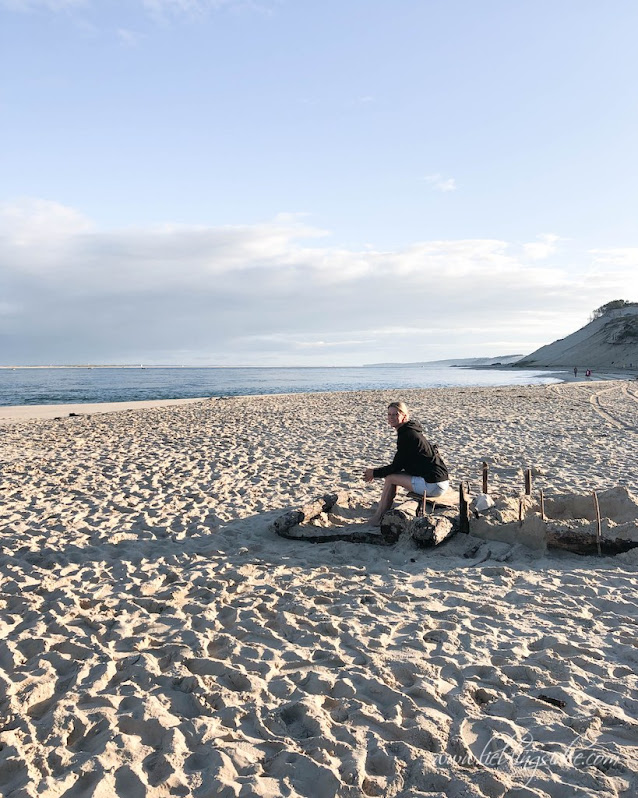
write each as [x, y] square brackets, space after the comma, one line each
[401, 407]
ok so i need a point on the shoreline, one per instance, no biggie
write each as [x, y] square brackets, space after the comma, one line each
[87, 395]
[17, 413]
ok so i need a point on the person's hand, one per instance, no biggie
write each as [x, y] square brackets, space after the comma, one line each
[368, 475]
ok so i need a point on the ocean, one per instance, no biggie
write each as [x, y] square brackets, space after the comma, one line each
[36, 386]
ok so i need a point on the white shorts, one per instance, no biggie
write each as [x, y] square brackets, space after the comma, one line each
[431, 489]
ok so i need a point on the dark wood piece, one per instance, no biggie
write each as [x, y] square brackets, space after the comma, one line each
[528, 481]
[426, 530]
[598, 524]
[485, 472]
[433, 529]
[312, 534]
[555, 702]
[398, 520]
[464, 511]
[581, 541]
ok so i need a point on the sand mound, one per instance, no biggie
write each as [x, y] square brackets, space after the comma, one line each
[565, 521]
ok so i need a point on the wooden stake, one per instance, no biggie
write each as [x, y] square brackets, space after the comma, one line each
[542, 495]
[528, 481]
[520, 510]
[599, 533]
[485, 470]
[464, 513]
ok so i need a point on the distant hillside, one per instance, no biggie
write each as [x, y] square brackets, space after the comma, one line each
[503, 360]
[610, 341]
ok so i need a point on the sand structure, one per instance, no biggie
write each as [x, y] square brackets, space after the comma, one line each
[158, 638]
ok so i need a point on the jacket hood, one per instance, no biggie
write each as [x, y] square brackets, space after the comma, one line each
[412, 424]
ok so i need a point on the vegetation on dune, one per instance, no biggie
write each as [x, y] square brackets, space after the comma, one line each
[613, 305]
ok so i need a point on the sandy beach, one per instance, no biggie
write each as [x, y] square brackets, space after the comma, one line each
[157, 639]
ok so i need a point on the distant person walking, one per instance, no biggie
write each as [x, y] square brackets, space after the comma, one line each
[575, 371]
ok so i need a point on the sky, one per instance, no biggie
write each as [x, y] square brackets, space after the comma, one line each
[288, 182]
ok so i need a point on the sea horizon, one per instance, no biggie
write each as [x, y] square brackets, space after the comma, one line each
[447, 362]
[87, 385]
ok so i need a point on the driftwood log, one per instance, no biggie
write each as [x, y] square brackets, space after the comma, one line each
[581, 540]
[289, 524]
[426, 530]
[322, 504]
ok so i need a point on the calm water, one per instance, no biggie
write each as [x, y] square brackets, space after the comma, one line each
[76, 385]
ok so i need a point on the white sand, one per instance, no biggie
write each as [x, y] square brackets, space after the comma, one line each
[157, 640]
[23, 412]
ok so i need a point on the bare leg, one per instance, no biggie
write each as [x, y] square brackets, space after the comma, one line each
[388, 493]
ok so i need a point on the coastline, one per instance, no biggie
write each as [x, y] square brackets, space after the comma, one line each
[77, 386]
[16, 413]
[159, 638]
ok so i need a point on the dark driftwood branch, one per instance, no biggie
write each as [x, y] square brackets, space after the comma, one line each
[583, 541]
[288, 526]
[598, 525]
[464, 511]
[555, 702]
[528, 481]
[326, 535]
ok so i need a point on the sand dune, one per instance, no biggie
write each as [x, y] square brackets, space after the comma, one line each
[158, 640]
[608, 342]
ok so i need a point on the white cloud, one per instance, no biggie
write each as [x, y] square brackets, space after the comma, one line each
[274, 292]
[626, 257]
[31, 220]
[542, 248]
[441, 183]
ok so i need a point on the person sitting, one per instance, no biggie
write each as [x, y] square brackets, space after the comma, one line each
[417, 465]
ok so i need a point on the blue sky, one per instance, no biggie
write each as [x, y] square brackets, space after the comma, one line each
[318, 183]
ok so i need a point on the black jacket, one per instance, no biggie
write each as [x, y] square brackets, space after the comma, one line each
[415, 456]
